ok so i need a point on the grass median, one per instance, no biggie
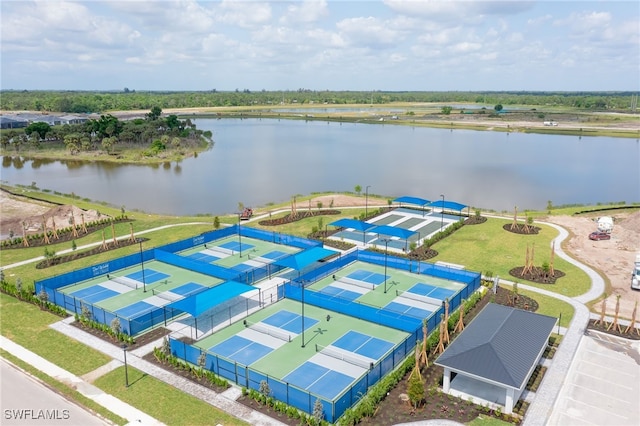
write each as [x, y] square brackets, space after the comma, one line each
[164, 402]
[28, 326]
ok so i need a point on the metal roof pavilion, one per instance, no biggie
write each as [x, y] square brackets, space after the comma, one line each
[500, 348]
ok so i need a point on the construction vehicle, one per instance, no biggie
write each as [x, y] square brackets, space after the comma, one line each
[635, 277]
[605, 224]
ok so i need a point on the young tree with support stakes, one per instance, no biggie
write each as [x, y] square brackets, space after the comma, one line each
[615, 324]
[632, 324]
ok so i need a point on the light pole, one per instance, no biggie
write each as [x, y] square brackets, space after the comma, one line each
[442, 214]
[366, 201]
[239, 234]
[302, 288]
[144, 284]
[386, 254]
[126, 371]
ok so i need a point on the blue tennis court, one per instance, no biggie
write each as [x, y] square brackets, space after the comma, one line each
[367, 276]
[235, 246]
[432, 291]
[275, 255]
[135, 310]
[241, 350]
[340, 292]
[363, 344]
[202, 257]
[94, 294]
[407, 310]
[188, 289]
[242, 267]
[150, 276]
[290, 321]
[319, 380]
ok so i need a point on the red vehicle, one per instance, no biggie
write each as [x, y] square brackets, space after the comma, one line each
[246, 214]
[597, 236]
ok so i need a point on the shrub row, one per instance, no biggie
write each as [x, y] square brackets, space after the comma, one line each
[18, 241]
[41, 300]
[163, 357]
[115, 333]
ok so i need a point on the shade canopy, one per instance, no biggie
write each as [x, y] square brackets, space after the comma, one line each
[199, 303]
[301, 260]
[358, 225]
[449, 205]
[412, 200]
[393, 231]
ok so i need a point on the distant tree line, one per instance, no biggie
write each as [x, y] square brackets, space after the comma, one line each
[154, 132]
[127, 100]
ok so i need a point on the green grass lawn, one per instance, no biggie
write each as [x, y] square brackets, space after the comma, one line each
[489, 248]
[550, 306]
[161, 401]
[28, 326]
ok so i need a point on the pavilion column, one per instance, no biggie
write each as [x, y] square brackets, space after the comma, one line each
[446, 380]
[508, 401]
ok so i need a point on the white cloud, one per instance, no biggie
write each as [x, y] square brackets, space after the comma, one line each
[246, 14]
[305, 11]
[316, 43]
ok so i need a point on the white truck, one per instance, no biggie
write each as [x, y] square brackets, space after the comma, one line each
[605, 224]
[635, 277]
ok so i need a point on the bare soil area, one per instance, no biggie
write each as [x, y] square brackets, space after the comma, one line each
[613, 258]
[17, 212]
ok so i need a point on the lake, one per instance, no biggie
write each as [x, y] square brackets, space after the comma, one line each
[261, 161]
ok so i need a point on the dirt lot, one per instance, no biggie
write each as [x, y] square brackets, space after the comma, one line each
[613, 258]
[17, 210]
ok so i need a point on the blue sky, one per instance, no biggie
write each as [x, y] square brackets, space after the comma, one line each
[320, 45]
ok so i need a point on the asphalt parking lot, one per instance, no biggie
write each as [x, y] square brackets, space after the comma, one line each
[602, 386]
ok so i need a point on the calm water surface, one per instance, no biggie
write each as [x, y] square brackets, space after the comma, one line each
[261, 161]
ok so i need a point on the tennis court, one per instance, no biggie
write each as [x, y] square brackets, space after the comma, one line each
[432, 291]
[336, 366]
[259, 338]
[95, 293]
[135, 310]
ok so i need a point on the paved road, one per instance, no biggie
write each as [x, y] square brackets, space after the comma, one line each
[603, 384]
[27, 401]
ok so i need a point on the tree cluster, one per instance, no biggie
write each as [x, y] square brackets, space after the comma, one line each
[107, 132]
[99, 102]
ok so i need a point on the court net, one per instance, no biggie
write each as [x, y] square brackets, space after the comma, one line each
[325, 350]
[221, 250]
[418, 297]
[125, 281]
[261, 328]
[357, 283]
[171, 297]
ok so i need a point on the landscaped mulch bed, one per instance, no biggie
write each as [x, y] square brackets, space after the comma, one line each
[184, 373]
[607, 328]
[537, 275]
[299, 216]
[96, 250]
[65, 236]
[521, 229]
[141, 340]
[475, 220]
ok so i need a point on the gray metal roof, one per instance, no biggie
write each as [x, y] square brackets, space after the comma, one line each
[500, 345]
